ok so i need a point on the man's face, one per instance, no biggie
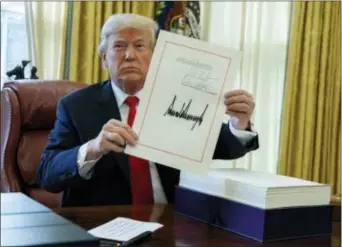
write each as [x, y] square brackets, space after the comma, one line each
[127, 57]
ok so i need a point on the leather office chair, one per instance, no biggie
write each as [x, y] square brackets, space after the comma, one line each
[28, 113]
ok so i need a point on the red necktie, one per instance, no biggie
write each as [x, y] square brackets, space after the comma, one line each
[139, 169]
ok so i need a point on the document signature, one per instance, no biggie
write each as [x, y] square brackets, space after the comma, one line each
[199, 80]
[183, 113]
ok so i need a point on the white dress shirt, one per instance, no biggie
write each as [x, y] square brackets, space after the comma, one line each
[85, 167]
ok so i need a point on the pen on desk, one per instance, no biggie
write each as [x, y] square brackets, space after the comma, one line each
[140, 237]
[104, 243]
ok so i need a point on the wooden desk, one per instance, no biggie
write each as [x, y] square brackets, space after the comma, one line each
[179, 230]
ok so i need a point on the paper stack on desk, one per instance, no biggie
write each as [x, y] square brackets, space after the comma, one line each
[261, 206]
[124, 231]
[258, 189]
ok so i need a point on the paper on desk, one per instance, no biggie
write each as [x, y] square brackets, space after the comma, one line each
[181, 106]
[123, 229]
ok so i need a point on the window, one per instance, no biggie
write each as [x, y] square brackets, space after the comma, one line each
[14, 38]
[259, 30]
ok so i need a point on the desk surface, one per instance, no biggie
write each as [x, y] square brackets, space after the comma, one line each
[179, 230]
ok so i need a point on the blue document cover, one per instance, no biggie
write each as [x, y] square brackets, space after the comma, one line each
[252, 222]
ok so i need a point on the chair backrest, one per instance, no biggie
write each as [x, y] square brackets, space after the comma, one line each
[28, 113]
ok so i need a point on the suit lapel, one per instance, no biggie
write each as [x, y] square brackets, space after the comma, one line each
[108, 109]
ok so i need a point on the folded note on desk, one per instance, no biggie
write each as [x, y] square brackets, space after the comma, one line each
[123, 229]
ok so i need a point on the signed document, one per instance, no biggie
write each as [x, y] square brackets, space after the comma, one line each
[181, 106]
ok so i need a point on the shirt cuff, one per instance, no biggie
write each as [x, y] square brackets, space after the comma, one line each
[85, 168]
[244, 136]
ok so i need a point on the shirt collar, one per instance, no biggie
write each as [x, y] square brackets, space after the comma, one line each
[120, 95]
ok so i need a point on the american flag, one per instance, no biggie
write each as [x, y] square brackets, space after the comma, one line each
[192, 15]
[182, 17]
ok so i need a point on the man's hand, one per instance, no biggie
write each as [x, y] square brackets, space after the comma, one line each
[113, 137]
[240, 104]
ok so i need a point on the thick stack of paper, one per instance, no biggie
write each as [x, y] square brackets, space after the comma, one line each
[258, 189]
[261, 206]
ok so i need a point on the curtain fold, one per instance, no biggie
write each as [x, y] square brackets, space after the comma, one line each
[260, 31]
[44, 22]
[84, 21]
[310, 132]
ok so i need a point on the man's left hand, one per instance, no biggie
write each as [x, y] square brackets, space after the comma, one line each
[240, 104]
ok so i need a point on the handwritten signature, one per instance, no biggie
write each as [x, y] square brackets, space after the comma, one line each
[183, 113]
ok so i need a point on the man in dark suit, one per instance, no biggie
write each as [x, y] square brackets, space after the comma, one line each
[84, 156]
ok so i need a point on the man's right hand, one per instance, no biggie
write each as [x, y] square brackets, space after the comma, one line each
[113, 137]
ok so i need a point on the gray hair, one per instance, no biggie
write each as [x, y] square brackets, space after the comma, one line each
[120, 21]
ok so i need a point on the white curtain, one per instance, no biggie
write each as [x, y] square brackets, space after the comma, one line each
[45, 28]
[260, 31]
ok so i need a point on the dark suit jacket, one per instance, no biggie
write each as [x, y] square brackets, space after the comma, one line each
[80, 117]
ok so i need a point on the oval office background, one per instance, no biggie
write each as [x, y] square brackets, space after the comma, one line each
[291, 54]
